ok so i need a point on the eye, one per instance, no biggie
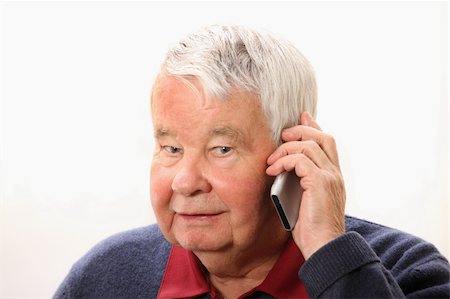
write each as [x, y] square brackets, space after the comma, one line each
[172, 149]
[222, 150]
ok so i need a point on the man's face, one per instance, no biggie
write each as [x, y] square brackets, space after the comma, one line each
[209, 189]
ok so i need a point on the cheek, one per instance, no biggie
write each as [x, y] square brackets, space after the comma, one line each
[160, 195]
[160, 186]
[247, 189]
[249, 206]
[244, 191]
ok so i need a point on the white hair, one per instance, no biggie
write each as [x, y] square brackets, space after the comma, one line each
[223, 58]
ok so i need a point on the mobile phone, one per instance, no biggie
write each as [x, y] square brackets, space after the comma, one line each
[286, 194]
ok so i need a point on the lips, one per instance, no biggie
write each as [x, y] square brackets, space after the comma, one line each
[196, 208]
[197, 212]
[198, 216]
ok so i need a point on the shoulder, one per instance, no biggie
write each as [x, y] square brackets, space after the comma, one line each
[410, 259]
[372, 260]
[138, 241]
[391, 244]
[127, 264]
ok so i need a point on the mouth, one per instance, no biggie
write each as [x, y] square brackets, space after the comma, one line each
[198, 216]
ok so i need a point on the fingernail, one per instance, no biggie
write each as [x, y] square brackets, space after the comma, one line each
[271, 158]
[270, 171]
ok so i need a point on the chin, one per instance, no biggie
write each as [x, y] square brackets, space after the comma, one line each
[197, 241]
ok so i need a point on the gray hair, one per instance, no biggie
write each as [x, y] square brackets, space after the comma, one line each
[227, 57]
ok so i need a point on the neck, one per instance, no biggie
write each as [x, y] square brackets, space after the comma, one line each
[234, 271]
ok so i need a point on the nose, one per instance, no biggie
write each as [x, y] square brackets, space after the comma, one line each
[190, 179]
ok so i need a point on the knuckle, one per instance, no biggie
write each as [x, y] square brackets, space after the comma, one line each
[291, 163]
[284, 152]
[295, 147]
[307, 147]
[328, 138]
[313, 145]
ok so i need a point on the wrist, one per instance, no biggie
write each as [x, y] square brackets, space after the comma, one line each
[314, 245]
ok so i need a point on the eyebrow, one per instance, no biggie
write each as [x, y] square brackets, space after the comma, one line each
[230, 132]
[162, 132]
[226, 131]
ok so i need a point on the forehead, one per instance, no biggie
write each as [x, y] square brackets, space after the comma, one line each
[179, 103]
[171, 90]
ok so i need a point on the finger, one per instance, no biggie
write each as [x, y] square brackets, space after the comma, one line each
[307, 120]
[298, 162]
[303, 133]
[309, 148]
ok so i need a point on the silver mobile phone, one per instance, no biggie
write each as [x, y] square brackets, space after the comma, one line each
[286, 194]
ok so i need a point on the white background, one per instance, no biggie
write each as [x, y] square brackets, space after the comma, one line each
[75, 129]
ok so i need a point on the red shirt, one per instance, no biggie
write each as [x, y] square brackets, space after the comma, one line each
[184, 277]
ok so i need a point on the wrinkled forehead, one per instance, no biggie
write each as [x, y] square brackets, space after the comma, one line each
[179, 106]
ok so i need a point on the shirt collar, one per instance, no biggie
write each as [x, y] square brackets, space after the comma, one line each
[184, 276]
[283, 280]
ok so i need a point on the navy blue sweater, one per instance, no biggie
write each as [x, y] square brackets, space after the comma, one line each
[369, 261]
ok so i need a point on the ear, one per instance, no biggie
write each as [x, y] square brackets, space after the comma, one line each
[307, 120]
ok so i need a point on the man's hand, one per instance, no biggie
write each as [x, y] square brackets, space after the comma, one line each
[313, 156]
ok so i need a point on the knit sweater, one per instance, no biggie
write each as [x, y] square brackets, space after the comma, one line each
[369, 260]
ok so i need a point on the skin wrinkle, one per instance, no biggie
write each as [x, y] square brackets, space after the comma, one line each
[206, 103]
[234, 134]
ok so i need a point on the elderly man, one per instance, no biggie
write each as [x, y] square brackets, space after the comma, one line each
[232, 108]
